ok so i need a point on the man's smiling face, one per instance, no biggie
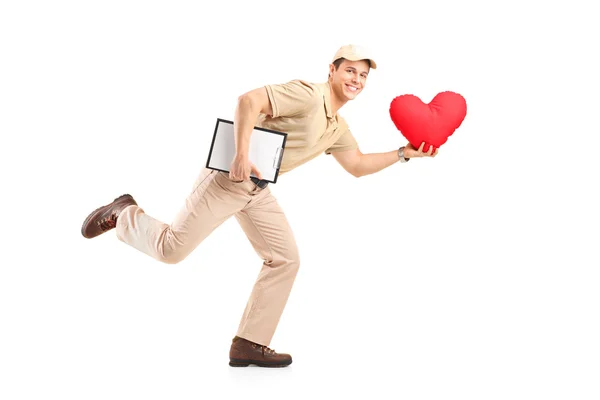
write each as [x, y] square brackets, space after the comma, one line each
[349, 79]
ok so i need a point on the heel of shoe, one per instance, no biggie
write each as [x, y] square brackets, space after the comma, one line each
[238, 363]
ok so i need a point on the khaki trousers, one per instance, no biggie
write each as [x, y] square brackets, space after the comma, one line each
[213, 199]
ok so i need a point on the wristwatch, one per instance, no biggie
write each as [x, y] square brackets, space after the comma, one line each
[401, 155]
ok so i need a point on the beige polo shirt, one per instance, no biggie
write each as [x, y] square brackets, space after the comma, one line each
[303, 111]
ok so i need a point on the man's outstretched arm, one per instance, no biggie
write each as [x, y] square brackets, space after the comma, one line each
[359, 164]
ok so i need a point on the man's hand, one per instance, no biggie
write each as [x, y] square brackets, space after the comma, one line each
[241, 168]
[411, 152]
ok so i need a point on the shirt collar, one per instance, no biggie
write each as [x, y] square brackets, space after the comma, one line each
[327, 98]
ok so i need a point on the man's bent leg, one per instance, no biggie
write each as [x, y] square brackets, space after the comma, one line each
[268, 230]
[213, 200]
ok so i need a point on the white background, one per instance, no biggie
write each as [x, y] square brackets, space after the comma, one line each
[473, 275]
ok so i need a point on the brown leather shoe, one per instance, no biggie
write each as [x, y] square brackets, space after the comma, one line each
[244, 352]
[104, 218]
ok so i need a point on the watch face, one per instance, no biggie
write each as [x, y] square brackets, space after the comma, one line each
[401, 155]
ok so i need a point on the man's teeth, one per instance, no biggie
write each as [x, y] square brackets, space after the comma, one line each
[352, 88]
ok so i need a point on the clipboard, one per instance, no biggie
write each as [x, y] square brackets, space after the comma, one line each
[265, 150]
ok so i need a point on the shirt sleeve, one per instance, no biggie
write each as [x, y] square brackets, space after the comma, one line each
[345, 142]
[292, 98]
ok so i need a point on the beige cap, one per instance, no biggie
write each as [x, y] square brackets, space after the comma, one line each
[354, 53]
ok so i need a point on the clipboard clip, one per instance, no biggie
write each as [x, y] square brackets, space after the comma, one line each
[278, 158]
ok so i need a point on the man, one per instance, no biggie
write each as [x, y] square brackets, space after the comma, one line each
[308, 113]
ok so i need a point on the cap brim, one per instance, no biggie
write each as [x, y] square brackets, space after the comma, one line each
[373, 63]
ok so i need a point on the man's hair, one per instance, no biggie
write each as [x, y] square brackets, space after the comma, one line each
[339, 62]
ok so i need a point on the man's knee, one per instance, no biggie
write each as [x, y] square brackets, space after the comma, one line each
[289, 259]
[170, 256]
[295, 259]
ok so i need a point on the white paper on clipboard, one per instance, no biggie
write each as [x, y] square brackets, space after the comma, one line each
[265, 151]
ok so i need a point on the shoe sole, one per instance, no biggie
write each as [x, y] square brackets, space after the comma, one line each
[93, 214]
[244, 363]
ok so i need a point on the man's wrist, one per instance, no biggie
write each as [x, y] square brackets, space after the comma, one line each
[401, 155]
[241, 156]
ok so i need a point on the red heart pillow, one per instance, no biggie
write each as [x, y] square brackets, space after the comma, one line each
[431, 123]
